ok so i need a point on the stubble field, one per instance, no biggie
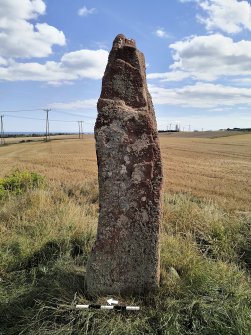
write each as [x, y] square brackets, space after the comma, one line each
[208, 164]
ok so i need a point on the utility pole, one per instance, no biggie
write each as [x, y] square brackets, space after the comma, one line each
[80, 128]
[2, 131]
[47, 128]
[189, 127]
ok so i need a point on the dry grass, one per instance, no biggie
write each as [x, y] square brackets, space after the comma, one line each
[45, 239]
[211, 167]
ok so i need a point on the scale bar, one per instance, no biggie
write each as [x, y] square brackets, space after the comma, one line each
[116, 308]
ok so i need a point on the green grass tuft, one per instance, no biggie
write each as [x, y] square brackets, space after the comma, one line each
[19, 182]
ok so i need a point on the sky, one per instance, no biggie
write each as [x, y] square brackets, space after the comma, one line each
[53, 54]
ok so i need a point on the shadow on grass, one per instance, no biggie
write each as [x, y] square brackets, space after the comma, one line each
[47, 285]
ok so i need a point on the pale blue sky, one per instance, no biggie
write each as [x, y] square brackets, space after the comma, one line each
[53, 54]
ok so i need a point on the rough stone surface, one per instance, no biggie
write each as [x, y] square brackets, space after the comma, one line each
[125, 256]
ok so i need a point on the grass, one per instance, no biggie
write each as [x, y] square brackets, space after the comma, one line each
[47, 230]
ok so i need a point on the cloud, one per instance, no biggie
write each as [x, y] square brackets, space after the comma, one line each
[242, 81]
[72, 66]
[23, 10]
[20, 38]
[230, 16]
[169, 76]
[213, 56]
[84, 11]
[3, 61]
[160, 32]
[208, 58]
[201, 95]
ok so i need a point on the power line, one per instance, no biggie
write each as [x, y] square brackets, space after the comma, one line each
[21, 110]
[74, 114]
[25, 117]
[39, 119]
[43, 109]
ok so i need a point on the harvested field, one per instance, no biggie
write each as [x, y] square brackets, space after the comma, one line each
[215, 167]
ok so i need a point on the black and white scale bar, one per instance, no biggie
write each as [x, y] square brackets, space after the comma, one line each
[116, 308]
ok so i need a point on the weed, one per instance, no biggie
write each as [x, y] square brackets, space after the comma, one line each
[20, 181]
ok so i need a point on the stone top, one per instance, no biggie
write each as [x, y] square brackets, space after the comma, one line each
[125, 77]
[121, 41]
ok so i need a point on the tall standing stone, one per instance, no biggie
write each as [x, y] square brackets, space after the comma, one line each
[125, 256]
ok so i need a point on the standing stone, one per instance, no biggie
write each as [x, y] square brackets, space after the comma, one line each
[125, 256]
